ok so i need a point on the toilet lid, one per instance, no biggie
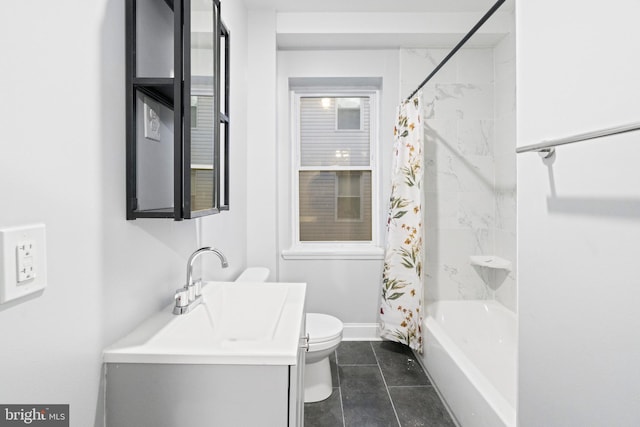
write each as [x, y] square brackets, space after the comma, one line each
[322, 327]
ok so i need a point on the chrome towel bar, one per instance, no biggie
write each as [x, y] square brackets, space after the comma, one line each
[547, 148]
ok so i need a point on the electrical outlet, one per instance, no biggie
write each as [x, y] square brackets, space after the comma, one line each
[23, 261]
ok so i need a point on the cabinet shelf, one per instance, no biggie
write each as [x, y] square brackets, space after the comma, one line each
[156, 213]
[158, 88]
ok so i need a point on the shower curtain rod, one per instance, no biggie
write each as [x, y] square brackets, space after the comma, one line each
[458, 46]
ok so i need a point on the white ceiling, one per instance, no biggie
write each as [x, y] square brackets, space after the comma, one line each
[376, 5]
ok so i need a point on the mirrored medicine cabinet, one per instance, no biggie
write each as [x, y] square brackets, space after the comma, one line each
[177, 109]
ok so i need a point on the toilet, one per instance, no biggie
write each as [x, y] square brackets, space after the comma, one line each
[324, 332]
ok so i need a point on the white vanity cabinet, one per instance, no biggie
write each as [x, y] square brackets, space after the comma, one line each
[235, 360]
[159, 395]
[296, 381]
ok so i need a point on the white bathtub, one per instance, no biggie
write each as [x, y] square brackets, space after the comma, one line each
[470, 354]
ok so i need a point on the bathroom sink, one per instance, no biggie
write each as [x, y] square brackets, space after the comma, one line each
[245, 312]
[237, 323]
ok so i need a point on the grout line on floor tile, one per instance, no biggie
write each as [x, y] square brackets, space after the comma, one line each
[344, 422]
[335, 353]
[385, 386]
[360, 364]
[410, 386]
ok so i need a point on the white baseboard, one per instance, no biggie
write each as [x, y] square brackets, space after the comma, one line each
[361, 332]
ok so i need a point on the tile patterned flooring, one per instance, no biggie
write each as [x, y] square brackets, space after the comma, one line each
[377, 384]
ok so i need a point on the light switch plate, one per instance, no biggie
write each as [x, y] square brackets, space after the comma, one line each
[23, 261]
[151, 119]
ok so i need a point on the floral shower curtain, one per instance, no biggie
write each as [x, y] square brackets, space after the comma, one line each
[401, 306]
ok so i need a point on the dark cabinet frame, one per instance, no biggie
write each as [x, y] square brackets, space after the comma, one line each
[175, 94]
[225, 115]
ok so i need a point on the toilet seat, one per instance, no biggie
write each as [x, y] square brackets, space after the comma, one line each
[323, 329]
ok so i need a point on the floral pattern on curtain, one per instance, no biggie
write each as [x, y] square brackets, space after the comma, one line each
[401, 306]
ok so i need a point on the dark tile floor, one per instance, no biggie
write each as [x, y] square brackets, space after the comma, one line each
[377, 384]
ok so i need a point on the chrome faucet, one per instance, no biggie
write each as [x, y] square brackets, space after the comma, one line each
[189, 296]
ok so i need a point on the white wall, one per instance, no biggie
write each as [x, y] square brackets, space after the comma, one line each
[346, 288]
[261, 157]
[63, 164]
[579, 219]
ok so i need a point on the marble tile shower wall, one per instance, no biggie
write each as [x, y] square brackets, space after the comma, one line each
[505, 164]
[466, 213]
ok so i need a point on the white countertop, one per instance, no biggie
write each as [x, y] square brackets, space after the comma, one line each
[238, 323]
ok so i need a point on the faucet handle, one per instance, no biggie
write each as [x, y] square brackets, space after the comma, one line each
[182, 298]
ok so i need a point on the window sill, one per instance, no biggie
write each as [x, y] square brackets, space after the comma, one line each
[338, 252]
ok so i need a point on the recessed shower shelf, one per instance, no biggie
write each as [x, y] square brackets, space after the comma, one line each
[490, 261]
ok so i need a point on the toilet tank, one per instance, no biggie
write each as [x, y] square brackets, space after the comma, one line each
[254, 274]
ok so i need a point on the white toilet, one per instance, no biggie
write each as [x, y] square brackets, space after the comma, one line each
[325, 334]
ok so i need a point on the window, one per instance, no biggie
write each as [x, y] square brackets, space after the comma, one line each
[335, 167]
